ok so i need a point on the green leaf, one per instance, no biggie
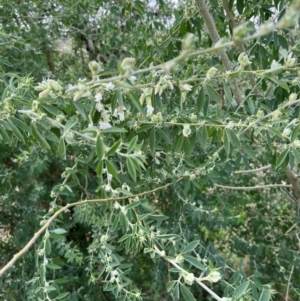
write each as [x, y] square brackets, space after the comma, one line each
[80, 109]
[136, 102]
[152, 140]
[202, 136]
[133, 205]
[187, 146]
[114, 130]
[200, 100]
[295, 133]
[240, 290]
[228, 93]
[296, 154]
[233, 138]
[111, 169]
[39, 136]
[100, 150]
[62, 148]
[5, 62]
[132, 144]
[52, 266]
[16, 130]
[50, 109]
[99, 168]
[59, 231]
[175, 292]
[20, 124]
[114, 148]
[48, 247]
[240, 6]
[190, 247]
[3, 133]
[283, 42]
[213, 94]
[120, 98]
[144, 128]
[280, 83]
[70, 123]
[178, 144]
[61, 280]
[61, 296]
[131, 168]
[195, 262]
[248, 151]
[170, 285]
[186, 293]
[206, 106]
[281, 158]
[163, 135]
[265, 295]
[226, 142]
[276, 132]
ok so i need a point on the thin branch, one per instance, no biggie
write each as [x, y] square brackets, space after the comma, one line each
[213, 294]
[293, 179]
[288, 284]
[232, 24]
[253, 170]
[54, 216]
[290, 195]
[212, 30]
[252, 187]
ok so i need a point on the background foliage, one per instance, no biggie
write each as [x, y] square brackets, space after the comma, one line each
[207, 209]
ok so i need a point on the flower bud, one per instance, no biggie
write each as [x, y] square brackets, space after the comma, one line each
[95, 67]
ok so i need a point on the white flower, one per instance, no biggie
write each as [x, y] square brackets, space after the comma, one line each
[290, 62]
[116, 205]
[98, 97]
[211, 73]
[99, 106]
[119, 112]
[132, 78]
[244, 60]
[186, 87]
[189, 278]
[186, 130]
[150, 109]
[214, 276]
[286, 132]
[106, 116]
[104, 125]
[107, 187]
[275, 65]
[293, 97]
[109, 86]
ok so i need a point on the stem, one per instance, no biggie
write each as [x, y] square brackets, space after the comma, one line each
[232, 24]
[253, 170]
[253, 187]
[79, 203]
[212, 30]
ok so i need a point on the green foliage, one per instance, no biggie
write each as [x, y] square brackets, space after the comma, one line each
[130, 156]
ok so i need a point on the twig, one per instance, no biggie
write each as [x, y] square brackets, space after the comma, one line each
[212, 30]
[288, 284]
[242, 48]
[293, 179]
[213, 294]
[52, 218]
[253, 170]
[252, 187]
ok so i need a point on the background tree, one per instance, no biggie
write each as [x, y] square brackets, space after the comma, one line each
[152, 159]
